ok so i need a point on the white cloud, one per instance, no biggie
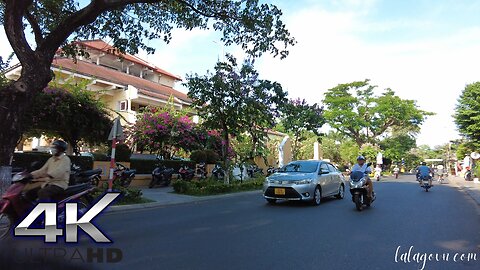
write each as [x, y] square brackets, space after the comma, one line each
[330, 50]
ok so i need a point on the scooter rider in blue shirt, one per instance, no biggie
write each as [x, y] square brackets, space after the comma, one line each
[423, 171]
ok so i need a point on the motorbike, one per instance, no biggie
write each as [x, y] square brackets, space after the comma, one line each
[377, 176]
[161, 176]
[359, 190]
[14, 205]
[201, 170]
[468, 175]
[78, 176]
[271, 170]
[123, 175]
[186, 173]
[425, 182]
[254, 170]
[218, 172]
[395, 173]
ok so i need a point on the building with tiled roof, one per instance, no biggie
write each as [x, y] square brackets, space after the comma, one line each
[126, 83]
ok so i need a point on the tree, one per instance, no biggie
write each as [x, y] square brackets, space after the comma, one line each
[397, 147]
[365, 118]
[130, 24]
[234, 101]
[467, 113]
[71, 113]
[164, 131]
[297, 116]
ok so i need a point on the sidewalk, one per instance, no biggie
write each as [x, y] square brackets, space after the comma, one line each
[470, 187]
[165, 196]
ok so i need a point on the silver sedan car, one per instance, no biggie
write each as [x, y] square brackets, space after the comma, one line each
[305, 180]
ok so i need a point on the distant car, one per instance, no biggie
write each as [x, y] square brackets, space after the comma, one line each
[305, 180]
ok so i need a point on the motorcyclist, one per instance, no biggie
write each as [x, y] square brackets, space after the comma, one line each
[363, 167]
[423, 171]
[378, 172]
[52, 179]
[396, 170]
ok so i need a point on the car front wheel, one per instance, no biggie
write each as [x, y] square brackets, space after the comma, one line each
[317, 196]
[341, 192]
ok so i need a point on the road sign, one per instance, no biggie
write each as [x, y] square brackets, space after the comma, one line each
[116, 131]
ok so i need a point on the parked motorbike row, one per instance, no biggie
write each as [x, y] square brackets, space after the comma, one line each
[162, 176]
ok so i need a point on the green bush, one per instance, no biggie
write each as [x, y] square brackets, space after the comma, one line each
[146, 166]
[127, 195]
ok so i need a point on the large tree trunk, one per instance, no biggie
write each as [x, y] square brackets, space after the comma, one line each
[12, 107]
[15, 99]
[226, 160]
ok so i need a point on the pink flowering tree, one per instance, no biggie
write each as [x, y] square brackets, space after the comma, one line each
[163, 131]
[69, 112]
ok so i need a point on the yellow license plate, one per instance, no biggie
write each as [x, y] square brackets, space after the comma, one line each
[279, 191]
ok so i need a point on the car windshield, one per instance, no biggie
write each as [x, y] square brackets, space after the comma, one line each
[300, 167]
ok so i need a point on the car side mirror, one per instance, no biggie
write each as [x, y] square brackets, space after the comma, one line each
[323, 172]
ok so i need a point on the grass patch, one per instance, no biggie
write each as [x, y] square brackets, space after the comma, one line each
[214, 187]
[127, 195]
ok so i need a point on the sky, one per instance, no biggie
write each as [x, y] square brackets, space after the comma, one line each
[426, 50]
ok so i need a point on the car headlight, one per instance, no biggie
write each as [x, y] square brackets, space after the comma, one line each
[303, 182]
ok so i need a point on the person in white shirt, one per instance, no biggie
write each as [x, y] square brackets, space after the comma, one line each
[362, 166]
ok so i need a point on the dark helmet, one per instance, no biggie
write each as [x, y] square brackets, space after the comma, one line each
[361, 158]
[423, 163]
[60, 144]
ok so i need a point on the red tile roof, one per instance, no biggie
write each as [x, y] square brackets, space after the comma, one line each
[106, 48]
[145, 87]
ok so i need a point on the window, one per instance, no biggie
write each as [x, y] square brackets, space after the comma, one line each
[300, 167]
[123, 106]
[324, 167]
[332, 168]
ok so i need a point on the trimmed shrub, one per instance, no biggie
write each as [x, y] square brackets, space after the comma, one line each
[211, 156]
[212, 187]
[24, 160]
[198, 156]
[100, 157]
[122, 153]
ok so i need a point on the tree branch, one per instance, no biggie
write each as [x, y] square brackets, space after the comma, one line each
[89, 14]
[35, 27]
[13, 25]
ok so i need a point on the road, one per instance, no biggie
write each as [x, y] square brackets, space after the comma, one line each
[246, 233]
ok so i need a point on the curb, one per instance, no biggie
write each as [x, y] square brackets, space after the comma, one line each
[192, 200]
[466, 189]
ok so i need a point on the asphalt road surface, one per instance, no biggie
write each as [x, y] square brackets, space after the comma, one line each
[246, 233]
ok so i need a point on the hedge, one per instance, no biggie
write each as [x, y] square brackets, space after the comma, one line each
[146, 166]
[24, 160]
[213, 186]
